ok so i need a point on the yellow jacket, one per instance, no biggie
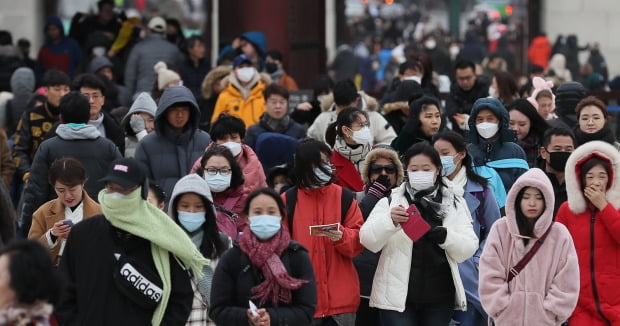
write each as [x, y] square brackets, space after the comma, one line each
[230, 101]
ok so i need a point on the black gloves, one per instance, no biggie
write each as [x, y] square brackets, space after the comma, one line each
[437, 235]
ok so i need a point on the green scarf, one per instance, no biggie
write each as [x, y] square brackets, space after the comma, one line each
[138, 217]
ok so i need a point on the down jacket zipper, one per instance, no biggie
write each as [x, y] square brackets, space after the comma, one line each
[592, 278]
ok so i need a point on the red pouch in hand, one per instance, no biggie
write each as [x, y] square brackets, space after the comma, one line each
[416, 226]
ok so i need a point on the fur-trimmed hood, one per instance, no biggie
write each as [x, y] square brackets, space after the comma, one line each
[395, 106]
[376, 154]
[216, 74]
[576, 200]
[366, 103]
[536, 178]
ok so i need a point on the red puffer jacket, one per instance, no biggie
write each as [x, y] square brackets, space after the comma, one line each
[596, 235]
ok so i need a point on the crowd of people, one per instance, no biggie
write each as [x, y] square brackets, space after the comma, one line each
[172, 193]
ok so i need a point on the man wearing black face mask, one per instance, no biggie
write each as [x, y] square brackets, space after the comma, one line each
[274, 67]
[558, 144]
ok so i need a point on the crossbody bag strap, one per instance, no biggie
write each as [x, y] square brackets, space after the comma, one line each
[514, 271]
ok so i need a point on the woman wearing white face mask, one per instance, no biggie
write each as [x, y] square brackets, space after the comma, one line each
[460, 178]
[266, 266]
[243, 95]
[225, 180]
[191, 206]
[350, 138]
[419, 284]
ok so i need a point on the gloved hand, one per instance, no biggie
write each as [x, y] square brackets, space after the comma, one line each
[437, 235]
[380, 187]
[137, 124]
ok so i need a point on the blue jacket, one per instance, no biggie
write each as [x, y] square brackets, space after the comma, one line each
[503, 145]
[170, 155]
[489, 213]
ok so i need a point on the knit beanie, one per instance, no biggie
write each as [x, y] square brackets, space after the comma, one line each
[567, 96]
[539, 85]
[164, 75]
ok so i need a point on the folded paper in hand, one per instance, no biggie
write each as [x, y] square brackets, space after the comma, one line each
[319, 229]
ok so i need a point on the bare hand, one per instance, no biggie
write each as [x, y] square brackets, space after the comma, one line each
[305, 106]
[595, 196]
[60, 230]
[460, 118]
[333, 235]
[262, 319]
[399, 214]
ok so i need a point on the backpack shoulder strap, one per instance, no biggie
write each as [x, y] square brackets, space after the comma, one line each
[346, 199]
[291, 200]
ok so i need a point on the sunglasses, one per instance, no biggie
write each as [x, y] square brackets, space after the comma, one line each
[389, 169]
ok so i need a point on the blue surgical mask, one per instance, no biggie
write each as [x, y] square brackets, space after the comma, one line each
[448, 166]
[323, 177]
[218, 182]
[265, 226]
[191, 221]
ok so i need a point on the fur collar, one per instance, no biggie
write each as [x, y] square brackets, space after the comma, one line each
[368, 103]
[395, 106]
[576, 201]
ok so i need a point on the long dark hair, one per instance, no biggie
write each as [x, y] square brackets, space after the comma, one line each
[538, 125]
[307, 157]
[525, 227]
[346, 118]
[212, 246]
[459, 144]
[506, 86]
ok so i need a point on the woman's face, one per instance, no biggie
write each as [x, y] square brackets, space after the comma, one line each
[359, 123]
[383, 166]
[69, 196]
[149, 121]
[422, 162]
[532, 204]
[597, 177]
[591, 119]
[430, 120]
[520, 123]
[217, 164]
[7, 295]
[191, 202]
[544, 106]
[264, 205]
[445, 148]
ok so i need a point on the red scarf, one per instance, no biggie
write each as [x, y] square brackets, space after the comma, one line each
[265, 255]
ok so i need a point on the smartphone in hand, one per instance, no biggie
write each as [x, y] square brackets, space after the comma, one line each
[68, 222]
[253, 308]
[416, 226]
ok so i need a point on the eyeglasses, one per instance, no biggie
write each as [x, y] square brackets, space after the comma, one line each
[93, 97]
[222, 171]
[389, 169]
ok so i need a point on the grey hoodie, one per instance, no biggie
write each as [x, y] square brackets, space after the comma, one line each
[68, 132]
[143, 103]
[22, 82]
[191, 183]
[174, 95]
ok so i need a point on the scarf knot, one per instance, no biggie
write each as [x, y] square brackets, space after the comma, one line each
[355, 155]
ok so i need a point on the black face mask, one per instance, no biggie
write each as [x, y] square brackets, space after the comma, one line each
[271, 67]
[557, 160]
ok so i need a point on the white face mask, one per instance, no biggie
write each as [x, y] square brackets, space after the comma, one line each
[487, 130]
[322, 177]
[417, 79]
[322, 98]
[493, 92]
[362, 136]
[454, 51]
[115, 195]
[218, 182]
[234, 147]
[421, 180]
[430, 44]
[99, 51]
[245, 74]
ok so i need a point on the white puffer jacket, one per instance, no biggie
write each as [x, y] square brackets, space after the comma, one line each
[389, 288]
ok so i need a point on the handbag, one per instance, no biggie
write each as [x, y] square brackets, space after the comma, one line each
[516, 269]
[135, 280]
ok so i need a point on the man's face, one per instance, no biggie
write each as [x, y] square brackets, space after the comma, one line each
[411, 72]
[106, 13]
[486, 115]
[276, 106]
[198, 50]
[178, 116]
[466, 78]
[557, 143]
[95, 99]
[54, 93]
[107, 72]
[53, 32]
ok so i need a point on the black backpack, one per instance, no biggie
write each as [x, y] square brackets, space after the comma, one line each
[346, 199]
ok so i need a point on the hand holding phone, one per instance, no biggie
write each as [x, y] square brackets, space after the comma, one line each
[253, 308]
[415, 227]
[68, 222]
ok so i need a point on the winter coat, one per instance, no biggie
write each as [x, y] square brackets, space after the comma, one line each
[539, 51]
[88, 264]
[167, 154]
[52, 212]
[288, 82]
[231, 101]
[545, 291]
[337, 283]
[22, 86]
[193, 75]
[113, 131]
[7, 166]
[253, 173]
[85, 144]
[229, 204]
[391, 281]
[347, 175]
[139, 73]
[144, 103]
[64, 56]
[597, 238]
[33, 128]
[393, 113]
[382, 131]
[235, 276]
[503, 146]
[294, 130]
